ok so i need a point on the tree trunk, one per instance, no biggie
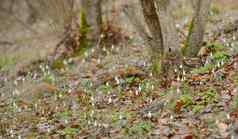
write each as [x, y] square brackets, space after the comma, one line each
[165, 43]
[153, 23]
[93, 11]
[172, 53]
[170, 35]
[197, 27]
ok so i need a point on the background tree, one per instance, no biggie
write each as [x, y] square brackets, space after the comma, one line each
[197, 27]
[165, 45]
[93, 11]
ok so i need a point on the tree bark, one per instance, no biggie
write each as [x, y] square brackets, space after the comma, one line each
[153, 22]
[172, 57]
[165, 43]
[93, 11]
[197, 27]
[170, 35]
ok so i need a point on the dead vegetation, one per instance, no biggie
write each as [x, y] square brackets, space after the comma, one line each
[109, 89]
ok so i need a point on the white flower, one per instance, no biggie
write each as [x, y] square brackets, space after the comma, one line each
[137, 93]
[109, 100]
[117, 80]
[120, 117]
[149, 115]
[139, 88]
[234, 38]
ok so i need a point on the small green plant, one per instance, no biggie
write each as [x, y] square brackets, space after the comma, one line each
[214, 10]
[187, 100]
[70, 131]
[64, 114]
[197, 108]
[58, 64]
[105, 88]
[140, 128]
[215, 47]
[130, 80]
[49, 78]
[208, 97]
[185, 88]
[220, 55]
[203, 69]
[235, 102]
[86, 84]
[145, 86]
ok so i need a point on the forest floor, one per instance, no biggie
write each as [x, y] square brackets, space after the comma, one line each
[111, 93]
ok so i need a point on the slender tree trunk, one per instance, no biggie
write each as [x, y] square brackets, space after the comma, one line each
[197, 27]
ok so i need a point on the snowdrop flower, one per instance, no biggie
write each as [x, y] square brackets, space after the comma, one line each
[102, 35]
[95, 123]
[86, 54]
[11, 133]
[65, 62]
[181, 66]
[120, 117]
[171, 117]
[184, 73]
[175, 70]
[130, 91]
[144, 64]
[109, 100]
[66, 121]
[117, 80]
[149, 115]
[104, 49]
[228, 116]
[211, 54]
[70, 91]
[137, 93]
[83, 61]
[234, 38]
[92, 113]
[92, 98]
[93, 50]
[139, 88]
[15, 83]
[16, 92]
[218, 64]
[222, 62]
